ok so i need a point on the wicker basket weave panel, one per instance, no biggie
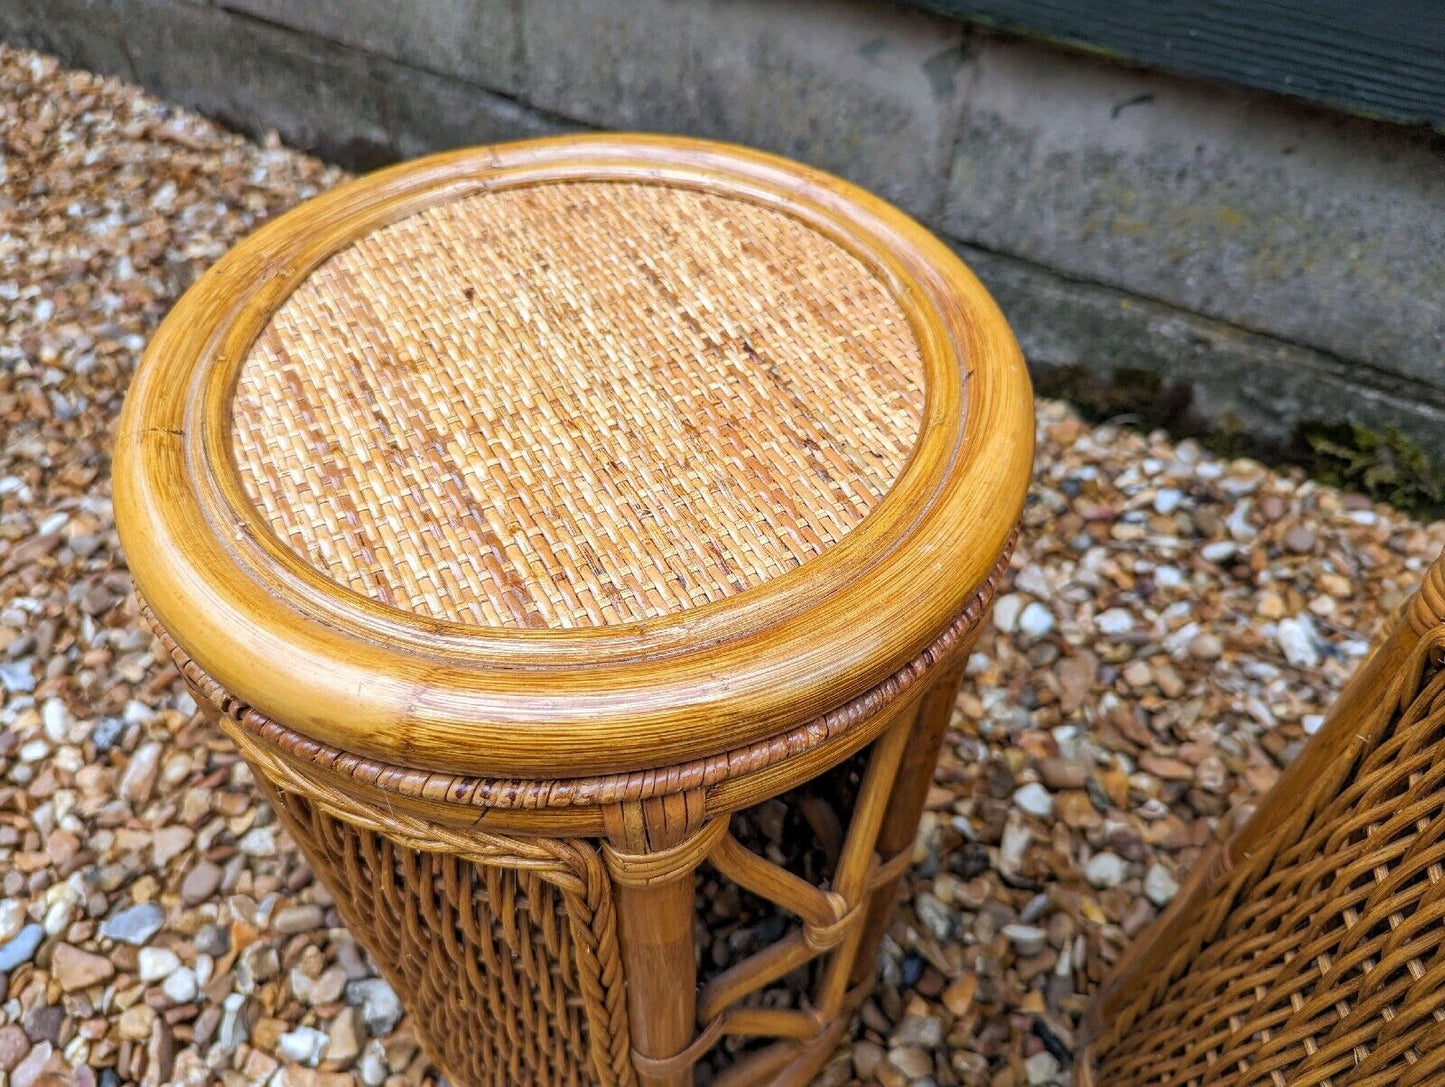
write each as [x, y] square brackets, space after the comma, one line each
[495, 958]
[713, 393]
[482, 953]
[1318, 957]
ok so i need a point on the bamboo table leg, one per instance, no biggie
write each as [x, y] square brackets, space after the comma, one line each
[657, 946]
[652, 854]
[905, 806]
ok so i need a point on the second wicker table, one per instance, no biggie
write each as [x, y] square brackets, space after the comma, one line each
[529, 516]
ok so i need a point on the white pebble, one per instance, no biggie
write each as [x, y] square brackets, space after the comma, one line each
[1160, 886]
[1042, 1069]
[156, 963]
[137, 712]
[1027, 939]
[1036, 620]
[305, 1045]
[61, 910]
[1167, 500]
[1016, 838]
[1006, 611]
[258, 842]
[372, 1068]
[1032, 580]
[1219, 551]
[1297, 639]
[55, 719]
[1105, 870]
[12, 918]
[1238, 524]
[1114, 621]
[182, 986]
[1034, 799]
[1168, 577]
[233, 1029]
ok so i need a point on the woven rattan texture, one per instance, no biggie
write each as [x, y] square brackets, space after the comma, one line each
[482, 954]
[577, 404]
[1320, 960]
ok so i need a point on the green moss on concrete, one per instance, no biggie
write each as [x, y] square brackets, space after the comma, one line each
[1386, 465]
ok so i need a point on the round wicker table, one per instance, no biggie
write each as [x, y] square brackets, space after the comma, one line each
[529, 516]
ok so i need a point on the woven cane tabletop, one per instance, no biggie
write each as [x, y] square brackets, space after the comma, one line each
[581, 454]
[577, 404]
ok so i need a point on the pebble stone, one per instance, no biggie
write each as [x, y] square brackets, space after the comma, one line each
[1174, 625]
[1106, 870]
[134, 924]
[1034, 799]
[12, 918]
[14, 1045]
[1035, 620]
[157, 963]
[1160, 886]
[21, 947]
[304, 1044]
[1298, 641]
[379, 1005]
[76, 969]
[200, 883]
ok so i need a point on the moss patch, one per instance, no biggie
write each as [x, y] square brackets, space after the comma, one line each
[1386, 465]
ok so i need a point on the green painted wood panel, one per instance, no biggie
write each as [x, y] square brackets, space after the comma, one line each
[1380, 58]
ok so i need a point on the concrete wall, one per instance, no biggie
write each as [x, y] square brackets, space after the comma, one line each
[1261, 262]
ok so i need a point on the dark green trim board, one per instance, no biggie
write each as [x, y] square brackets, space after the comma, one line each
[1380, 58]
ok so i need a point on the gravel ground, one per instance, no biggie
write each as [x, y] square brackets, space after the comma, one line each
[1176, 625]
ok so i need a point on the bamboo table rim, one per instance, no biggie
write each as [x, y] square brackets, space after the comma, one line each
[526, 515]
[290, 753]
[408, 690]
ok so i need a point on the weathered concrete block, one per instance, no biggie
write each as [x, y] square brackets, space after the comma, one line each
[865, 90]
[346, 105]
[429, 113]
[1269, 263]
[1323, 230]
[476, 41]
[84, 33]
[1211, 375]
[319, 96]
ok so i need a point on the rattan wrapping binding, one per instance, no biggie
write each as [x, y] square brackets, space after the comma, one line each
[713, 393]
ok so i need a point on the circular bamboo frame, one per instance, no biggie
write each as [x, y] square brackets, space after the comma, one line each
[413, 692]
